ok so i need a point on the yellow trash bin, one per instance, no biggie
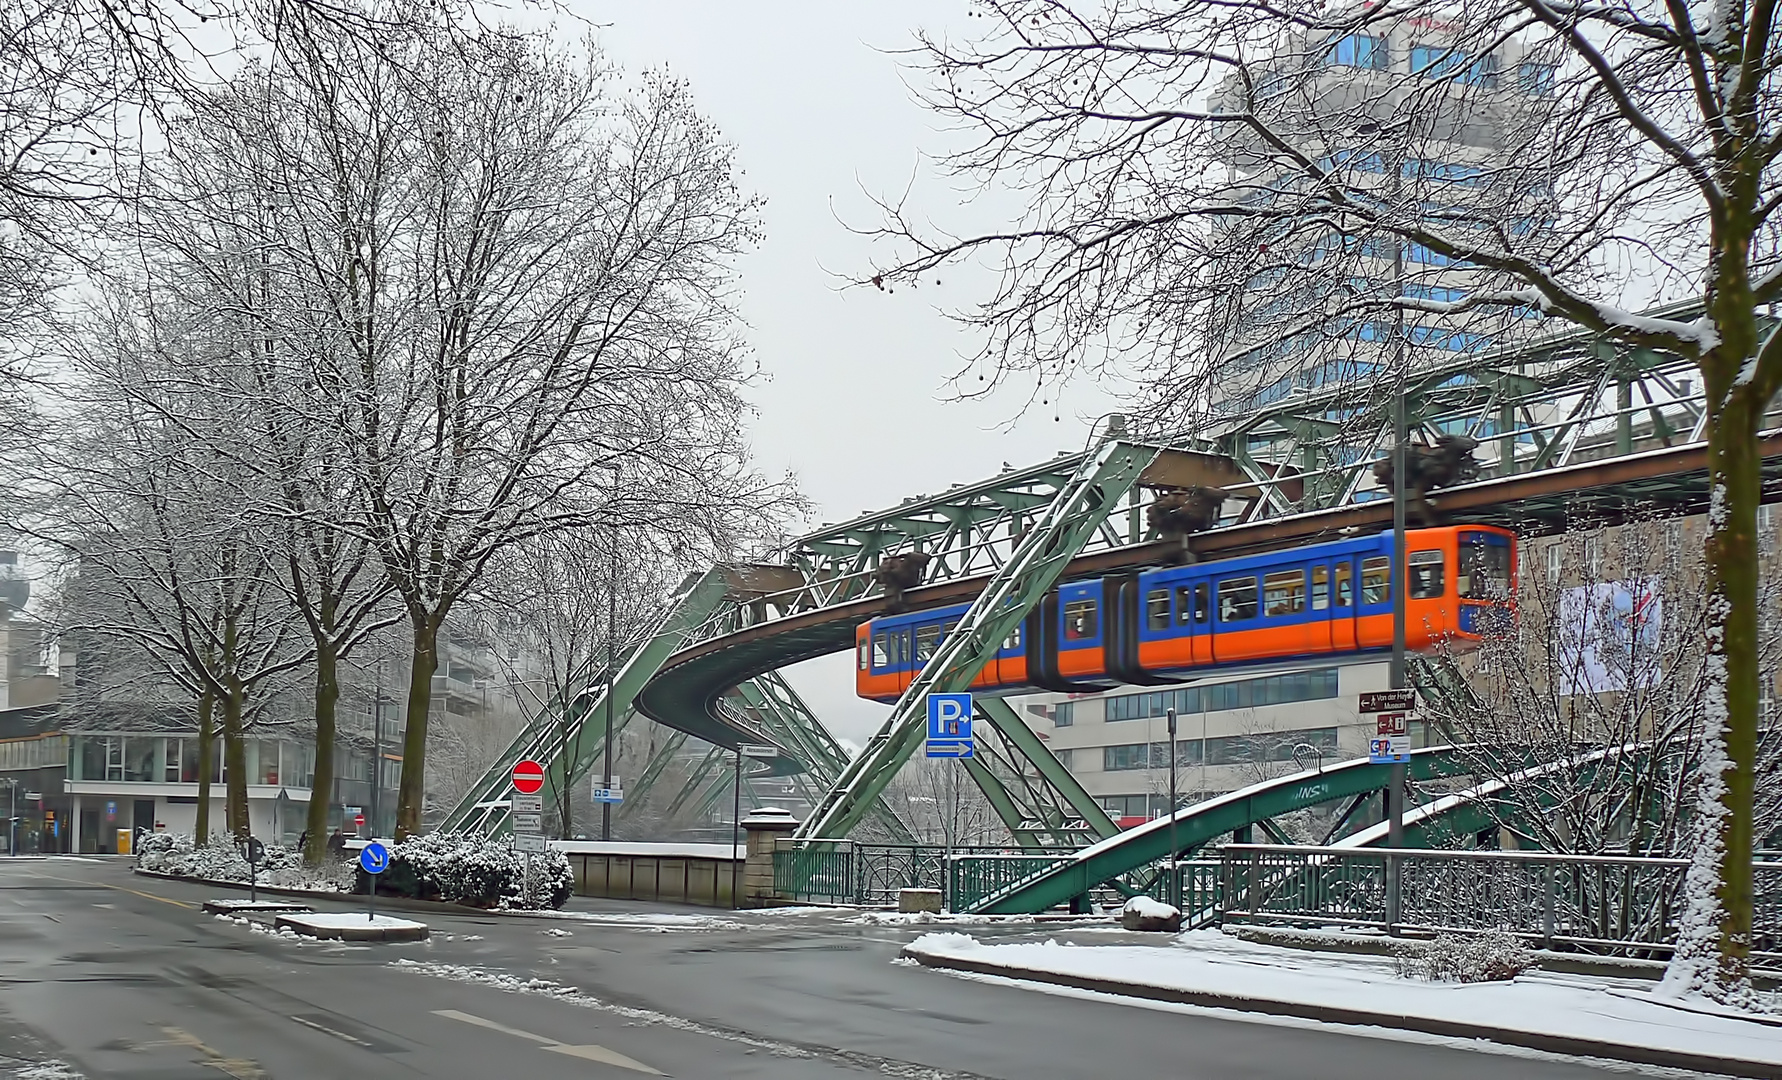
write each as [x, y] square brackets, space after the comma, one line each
[123, 841]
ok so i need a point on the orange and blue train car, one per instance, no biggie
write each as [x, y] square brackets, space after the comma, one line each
[1170, 624]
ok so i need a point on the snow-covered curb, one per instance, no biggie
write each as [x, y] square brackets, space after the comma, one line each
[1556, 1014]
[352, 926]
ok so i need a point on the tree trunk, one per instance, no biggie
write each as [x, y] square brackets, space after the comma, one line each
[412, 793]
[321, 787]
[207, 758]
[235, 764]
[1714, 934]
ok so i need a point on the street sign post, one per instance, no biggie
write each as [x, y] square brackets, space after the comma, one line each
[529, 777]
[1379, 701]
[253, 851]
[949, 726]
[374, 859]
[530, 843]
[527, 804]
[750, 750]
[1391, 744]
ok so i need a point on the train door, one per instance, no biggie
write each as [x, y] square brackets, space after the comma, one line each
[1320, 635]
[1343, 611]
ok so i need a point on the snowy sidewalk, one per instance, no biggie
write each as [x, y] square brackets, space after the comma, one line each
[1564, 1014]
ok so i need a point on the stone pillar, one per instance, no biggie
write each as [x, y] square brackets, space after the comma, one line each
[762, 827]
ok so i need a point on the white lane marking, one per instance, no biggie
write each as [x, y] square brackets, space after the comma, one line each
[330, 1031]
[601, 1054]
[468, 1018]
[585, 1051]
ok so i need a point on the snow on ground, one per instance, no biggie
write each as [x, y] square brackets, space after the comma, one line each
[1621, 1011]
[49, 1070]
[334, 920]
[1146, 908]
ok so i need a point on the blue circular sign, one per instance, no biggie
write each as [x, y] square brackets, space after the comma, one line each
[374, 858]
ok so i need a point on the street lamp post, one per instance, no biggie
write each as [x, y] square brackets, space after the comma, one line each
[612, 608]
[377, 750]
[1396, 675]
[1175, 879]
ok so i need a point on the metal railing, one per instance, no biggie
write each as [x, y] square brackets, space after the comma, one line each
[1590, 902]
[975, 877]
[870, 875]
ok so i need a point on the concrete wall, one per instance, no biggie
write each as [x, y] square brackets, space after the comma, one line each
[680, 879]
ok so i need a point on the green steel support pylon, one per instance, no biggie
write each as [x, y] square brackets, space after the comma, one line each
[1100, 482]
[780, 712]
[567, 755]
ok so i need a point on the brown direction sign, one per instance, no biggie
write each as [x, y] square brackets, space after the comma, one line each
[1378, 701]
[1391, 723]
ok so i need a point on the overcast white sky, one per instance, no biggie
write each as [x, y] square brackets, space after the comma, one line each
[854, 402]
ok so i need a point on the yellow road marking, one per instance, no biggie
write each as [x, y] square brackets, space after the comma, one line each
[240, 1068]
[119, 888]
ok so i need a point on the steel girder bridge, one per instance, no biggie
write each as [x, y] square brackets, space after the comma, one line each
[1569, 428]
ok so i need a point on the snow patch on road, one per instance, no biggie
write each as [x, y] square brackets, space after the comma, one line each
[936, 918]
[501, 980]
[50, 1070]
[645, 920]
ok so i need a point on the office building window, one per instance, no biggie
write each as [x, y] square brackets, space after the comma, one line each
[1062, 715]
[1358, 50]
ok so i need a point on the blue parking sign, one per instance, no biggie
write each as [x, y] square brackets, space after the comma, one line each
[949, 725]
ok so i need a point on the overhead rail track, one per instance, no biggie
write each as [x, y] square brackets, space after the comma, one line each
[1568, 427]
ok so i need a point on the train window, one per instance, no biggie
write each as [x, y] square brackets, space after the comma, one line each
[1320, 588]
[1203, 605]
[1484, 567]
[865, 654]
[881, 651]
[1079, 620]
[1376, 580]
[1237, 599]
[1185, 605]
[1284, 592]
[927, 637]
[1013, 641]
[1426, 575]
[1157, 609]
[1345, 585]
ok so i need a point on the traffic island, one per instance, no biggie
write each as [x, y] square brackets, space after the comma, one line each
[251, 907]
[351, 926]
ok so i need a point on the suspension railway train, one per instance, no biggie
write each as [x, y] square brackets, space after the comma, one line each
[1176, 623]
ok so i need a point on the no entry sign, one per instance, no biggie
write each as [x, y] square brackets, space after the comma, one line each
[528, 777]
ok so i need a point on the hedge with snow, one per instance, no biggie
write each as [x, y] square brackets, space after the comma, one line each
[473, 870]
[221, 860]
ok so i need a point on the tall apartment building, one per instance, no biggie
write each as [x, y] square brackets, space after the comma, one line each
[1402, 112]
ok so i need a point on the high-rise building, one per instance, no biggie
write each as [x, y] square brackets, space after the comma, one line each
[1408, 123]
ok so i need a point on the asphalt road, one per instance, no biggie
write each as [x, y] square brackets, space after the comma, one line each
[122, 976]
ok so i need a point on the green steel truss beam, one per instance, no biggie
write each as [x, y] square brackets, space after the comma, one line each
[1195, 826]
[1078, 513]
[569, 750]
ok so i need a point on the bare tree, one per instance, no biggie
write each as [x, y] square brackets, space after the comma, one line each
[143, 494]
[1583, 716]
[1185, 164]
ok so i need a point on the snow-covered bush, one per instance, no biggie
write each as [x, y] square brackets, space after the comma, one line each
[1493, 956]
[474, 870]
[221, 860]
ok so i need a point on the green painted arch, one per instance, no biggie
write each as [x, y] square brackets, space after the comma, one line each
[1198, 825]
